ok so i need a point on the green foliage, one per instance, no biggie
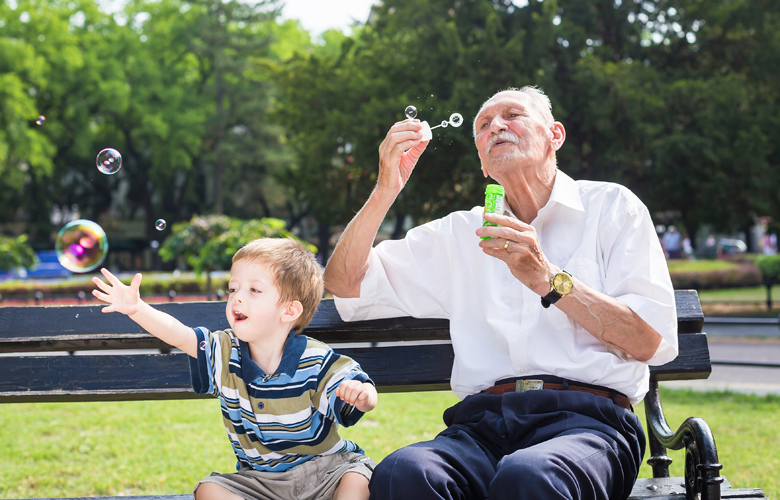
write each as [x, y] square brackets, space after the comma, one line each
[208, 243]
[15, 252]
[218, 108]
[770, 268]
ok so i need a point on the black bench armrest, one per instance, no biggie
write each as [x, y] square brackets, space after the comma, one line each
[702, 469]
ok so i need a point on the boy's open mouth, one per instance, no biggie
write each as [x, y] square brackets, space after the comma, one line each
[239, 316]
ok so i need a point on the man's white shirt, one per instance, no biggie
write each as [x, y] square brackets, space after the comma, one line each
[599, 232]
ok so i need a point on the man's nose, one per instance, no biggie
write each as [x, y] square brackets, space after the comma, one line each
[497, 125]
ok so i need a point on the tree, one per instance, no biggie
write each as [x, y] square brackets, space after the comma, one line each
[208, 243]
[15, 252]
[770, 270]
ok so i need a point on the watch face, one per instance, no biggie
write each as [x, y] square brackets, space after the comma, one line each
[562, 283]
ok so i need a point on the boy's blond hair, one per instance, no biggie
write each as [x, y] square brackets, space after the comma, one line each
[296, 272]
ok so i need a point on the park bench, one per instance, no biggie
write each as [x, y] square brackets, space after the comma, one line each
[400, 354]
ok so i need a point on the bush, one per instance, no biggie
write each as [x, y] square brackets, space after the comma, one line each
[15, 252]
[770, 268]
[743, 274]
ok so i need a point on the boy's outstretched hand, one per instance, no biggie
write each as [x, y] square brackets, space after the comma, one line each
[120, 297]
[361, 395]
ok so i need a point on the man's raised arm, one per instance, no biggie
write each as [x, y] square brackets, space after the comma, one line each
[398, 155]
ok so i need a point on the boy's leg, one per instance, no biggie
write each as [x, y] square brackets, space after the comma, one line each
[213, 491]
[353, 486]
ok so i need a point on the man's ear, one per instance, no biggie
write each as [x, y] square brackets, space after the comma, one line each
[292, 312]
[558, 136]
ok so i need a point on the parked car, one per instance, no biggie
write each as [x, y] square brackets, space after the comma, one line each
[727, 246]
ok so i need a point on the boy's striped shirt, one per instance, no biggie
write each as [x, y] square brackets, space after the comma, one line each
[277, 421]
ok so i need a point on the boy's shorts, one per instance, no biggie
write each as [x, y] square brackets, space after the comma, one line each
[313, 480]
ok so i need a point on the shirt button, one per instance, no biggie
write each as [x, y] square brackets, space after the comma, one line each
[260, 405]
[529, 308]
[521, 371]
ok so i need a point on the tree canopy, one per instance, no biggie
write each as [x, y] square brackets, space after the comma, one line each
[219, 107]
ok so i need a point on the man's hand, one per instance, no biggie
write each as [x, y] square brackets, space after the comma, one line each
[361, 395]
[120, 297]
[398, 155]
[517, 244]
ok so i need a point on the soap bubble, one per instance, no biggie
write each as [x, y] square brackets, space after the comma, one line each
[81, 246]
[160, 224]
[109, 161]
[444, 124]
[40, 120]
[456, 119]
[411, 112]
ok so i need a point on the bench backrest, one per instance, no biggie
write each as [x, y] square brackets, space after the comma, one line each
[400, 354]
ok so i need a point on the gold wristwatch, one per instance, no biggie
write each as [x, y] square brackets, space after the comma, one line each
[560, 285]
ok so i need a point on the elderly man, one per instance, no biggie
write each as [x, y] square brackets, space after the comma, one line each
[554, 318]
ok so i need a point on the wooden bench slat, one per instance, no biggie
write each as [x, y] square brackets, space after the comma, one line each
[74, 328]
[166, 376]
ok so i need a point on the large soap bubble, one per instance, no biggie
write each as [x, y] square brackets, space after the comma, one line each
[81, 246]
[109, 161]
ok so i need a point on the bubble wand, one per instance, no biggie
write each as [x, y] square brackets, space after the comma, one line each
[456, 120]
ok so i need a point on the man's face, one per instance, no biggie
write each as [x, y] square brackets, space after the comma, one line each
[511, 132]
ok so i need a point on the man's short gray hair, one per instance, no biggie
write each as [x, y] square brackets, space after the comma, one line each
[535, 97]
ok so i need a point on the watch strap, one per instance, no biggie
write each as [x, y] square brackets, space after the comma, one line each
[550, 299]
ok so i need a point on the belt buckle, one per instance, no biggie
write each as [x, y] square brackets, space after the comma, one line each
[529, 385]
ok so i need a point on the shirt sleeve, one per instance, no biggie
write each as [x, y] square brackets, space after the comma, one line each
[206, 368]
[410, 276]
[339, 369]
[638, 276]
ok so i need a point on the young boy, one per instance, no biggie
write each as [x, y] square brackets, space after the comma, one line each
[282, 394]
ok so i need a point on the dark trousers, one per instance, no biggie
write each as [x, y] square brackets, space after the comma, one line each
[530, 445]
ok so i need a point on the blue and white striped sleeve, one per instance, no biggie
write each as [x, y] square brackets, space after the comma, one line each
[344, 369]
[203, 369]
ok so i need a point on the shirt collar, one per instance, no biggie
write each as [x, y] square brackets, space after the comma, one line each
[565, 192]
[291, 356]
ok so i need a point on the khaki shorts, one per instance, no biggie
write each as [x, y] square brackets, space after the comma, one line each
[316, 479]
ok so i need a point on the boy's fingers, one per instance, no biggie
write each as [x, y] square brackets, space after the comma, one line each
[110, 277]
[136, 283]
[101, 296]
[101, 284]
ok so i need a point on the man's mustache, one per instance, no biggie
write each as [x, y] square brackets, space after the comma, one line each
[503, 136]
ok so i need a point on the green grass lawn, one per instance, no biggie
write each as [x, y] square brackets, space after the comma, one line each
[698, 266]
[748, 294]
[163, 447]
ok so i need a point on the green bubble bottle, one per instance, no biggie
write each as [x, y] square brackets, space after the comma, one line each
[494, 203]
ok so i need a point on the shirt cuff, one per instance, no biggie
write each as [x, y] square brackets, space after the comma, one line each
[348, 414]
[199, 373]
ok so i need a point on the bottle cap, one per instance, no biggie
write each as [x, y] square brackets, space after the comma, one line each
[494, 189]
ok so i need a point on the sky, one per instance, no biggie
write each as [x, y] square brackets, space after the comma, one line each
[317, 16]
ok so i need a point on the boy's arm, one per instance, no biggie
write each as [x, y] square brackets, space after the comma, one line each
[127, 300]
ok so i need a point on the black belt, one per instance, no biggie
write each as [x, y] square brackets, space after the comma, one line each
[548, 382]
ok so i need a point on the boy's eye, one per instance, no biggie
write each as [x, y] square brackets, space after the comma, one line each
[254, 290]
[230, 290]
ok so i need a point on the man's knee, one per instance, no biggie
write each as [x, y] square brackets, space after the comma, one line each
[524, 477]
[418, 472]
[402, 466]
